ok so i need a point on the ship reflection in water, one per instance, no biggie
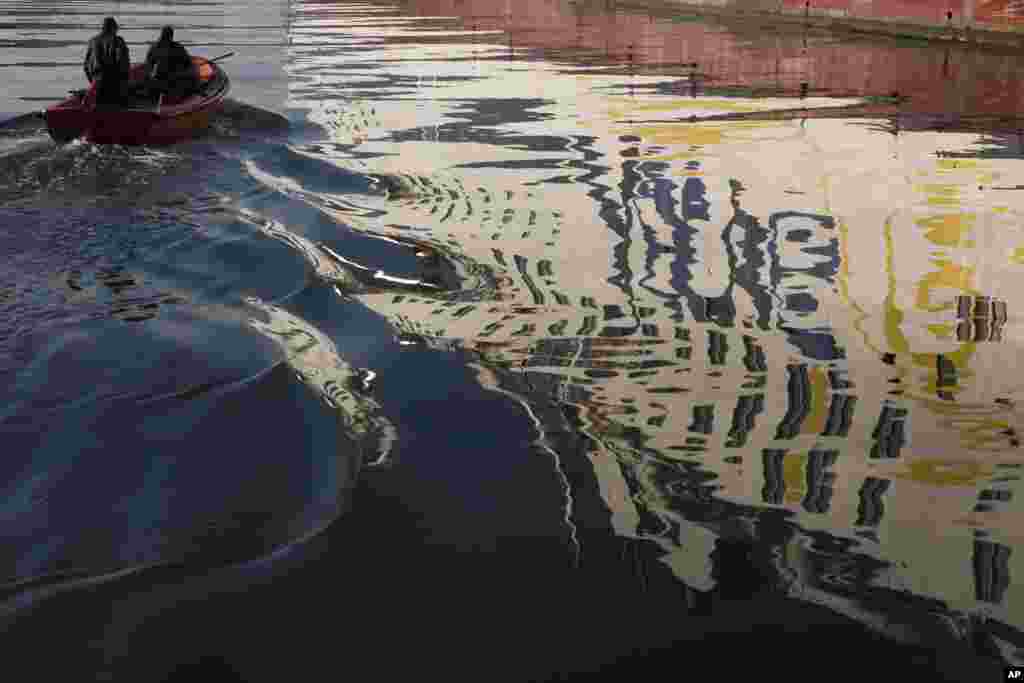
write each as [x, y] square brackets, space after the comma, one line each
[799, 334]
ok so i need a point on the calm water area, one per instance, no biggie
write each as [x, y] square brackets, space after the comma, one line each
[501, 341]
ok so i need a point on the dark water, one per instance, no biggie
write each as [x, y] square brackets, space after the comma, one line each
[470, 344]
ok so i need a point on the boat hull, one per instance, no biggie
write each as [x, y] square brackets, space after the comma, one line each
[140, 121]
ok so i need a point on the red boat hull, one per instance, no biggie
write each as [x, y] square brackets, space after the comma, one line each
[140, 121]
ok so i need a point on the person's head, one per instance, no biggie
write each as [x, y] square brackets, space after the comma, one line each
[166, 34]
[109, 25]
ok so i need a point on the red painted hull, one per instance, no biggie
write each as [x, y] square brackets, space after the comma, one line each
[140, 122]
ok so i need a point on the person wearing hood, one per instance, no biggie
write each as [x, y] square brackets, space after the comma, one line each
[169, 68]
[107, 63]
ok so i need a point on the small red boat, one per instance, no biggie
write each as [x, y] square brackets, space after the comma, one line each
[140, 119]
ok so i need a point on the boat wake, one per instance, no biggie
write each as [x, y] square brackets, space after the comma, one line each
[209, 534]
[160, 280]
[234, 119]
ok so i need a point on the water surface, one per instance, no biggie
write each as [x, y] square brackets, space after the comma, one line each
[626, 317]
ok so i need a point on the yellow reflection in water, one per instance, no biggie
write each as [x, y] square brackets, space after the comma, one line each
[661, 386]
[814, 423]
[793, 474]
[945, 472]
[947, 230]
[941, 194]
[948, 276]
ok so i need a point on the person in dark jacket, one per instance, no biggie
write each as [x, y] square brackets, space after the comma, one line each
[169, 68]
[107, 63]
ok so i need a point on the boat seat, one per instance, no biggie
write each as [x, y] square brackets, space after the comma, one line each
[205, 72]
